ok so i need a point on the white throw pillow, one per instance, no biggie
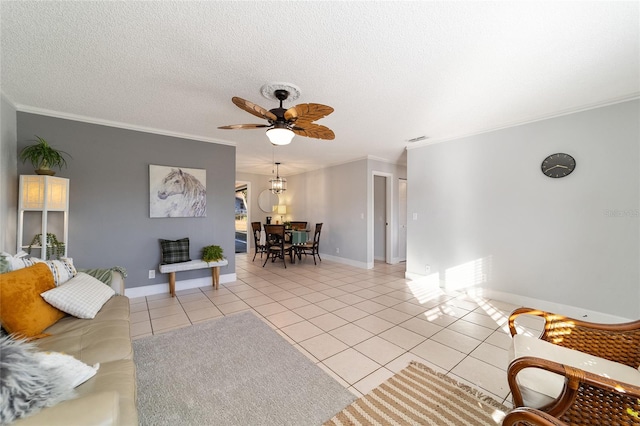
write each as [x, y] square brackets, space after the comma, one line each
[75, 371]
[82, 296]
[62, 270]
[18, 261]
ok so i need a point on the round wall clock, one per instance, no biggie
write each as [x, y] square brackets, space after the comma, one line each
[558, 165]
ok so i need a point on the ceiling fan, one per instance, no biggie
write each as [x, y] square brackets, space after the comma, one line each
[284, 123]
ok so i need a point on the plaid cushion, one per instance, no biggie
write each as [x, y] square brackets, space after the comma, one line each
[81, 296]
[175, 251]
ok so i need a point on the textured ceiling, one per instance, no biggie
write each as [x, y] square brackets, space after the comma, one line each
[392, 70]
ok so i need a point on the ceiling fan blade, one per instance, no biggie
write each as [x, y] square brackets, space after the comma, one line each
[254, 109]
[291, 114]
[244, 126]
[317, 131]
[312, 112]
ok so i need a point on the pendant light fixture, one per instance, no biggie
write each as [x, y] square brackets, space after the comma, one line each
[278, 184]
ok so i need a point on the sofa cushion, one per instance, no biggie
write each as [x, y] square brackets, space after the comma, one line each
[175, 251]
[22, 310]
[82, 296]
[105, 338]
[94, 409]
[540, 387]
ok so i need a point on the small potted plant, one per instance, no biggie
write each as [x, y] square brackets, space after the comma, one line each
[54, 249]
[212, 253]
[43, 156]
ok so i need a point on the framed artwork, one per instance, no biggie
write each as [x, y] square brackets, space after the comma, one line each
[177, 192]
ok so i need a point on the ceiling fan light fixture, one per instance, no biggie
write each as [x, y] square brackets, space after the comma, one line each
[280, 136]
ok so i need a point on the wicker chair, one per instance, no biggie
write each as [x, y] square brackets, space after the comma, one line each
[259, 248]
[527, 416]
[587, 398]
[276, 246]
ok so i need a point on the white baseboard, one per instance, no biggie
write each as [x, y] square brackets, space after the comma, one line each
[345, 261]
[150, 290]
[530, 302]
[545, 305]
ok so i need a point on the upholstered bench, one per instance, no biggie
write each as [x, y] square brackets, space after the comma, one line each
[172, 268]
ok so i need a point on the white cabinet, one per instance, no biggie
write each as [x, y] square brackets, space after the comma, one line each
[43, 207]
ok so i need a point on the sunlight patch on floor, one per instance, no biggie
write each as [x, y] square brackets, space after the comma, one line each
[426, 288]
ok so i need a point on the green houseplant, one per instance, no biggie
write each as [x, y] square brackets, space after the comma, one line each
[54, 247]
[212, 253]
[43, 156]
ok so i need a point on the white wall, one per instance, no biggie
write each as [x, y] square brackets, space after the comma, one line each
[337, 197]
[8, 176]
[488, 217]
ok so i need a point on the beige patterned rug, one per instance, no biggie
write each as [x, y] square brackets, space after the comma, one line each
[419, 396]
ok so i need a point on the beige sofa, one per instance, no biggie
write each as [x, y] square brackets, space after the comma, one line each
[110, 396]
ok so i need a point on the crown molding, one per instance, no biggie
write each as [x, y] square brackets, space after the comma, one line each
[562, 113]
[109, 123]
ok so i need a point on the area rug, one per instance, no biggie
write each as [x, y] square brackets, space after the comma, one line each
[418, 395]
[234, 370]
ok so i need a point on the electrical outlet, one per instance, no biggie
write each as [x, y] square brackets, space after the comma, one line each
[152, 274]
[337, 250]
[427, 268]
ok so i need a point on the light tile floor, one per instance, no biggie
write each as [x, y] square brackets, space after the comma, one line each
[360, 326]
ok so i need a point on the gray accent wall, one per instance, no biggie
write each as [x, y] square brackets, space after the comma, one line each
[8, 176]
[487, 217]
[109, 221]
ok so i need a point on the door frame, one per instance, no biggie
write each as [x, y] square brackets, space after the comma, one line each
[249, 209]
[389, 234]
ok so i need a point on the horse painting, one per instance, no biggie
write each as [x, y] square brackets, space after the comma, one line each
[177, 193]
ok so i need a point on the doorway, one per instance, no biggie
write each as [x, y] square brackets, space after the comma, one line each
[379, 218]
[241, 217]
[380, 230]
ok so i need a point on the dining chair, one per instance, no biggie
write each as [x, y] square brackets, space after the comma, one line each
[298, 226]
[311, 247]
[259, 247]
[276, 247]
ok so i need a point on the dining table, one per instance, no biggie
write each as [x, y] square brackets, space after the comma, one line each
[295, 237]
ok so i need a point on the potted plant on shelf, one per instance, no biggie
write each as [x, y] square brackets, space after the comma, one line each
[54, 247]
[43, 156]
[212, 253]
